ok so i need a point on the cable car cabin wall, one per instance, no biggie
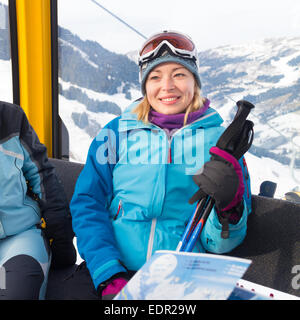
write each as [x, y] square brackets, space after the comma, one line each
[273, 236]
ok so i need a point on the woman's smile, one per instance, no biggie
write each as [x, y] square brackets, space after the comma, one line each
[170, 88]
[170, 100]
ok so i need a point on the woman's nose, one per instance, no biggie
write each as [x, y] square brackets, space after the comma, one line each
[167, 84]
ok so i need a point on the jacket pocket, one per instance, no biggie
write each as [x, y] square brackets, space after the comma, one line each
[27, 201]
[10, 179]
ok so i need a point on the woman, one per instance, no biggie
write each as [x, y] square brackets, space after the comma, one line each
[132, 197]
[34, 211]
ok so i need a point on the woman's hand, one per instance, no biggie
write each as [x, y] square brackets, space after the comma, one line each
[222, 179]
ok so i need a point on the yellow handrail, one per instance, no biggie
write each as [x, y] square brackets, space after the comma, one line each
[34, 46]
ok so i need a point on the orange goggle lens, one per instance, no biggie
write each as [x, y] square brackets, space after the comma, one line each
[177, 40]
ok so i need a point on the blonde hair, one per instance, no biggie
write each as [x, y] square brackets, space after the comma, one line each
[143, 108]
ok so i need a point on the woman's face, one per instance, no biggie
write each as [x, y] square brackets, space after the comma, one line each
[170, 88]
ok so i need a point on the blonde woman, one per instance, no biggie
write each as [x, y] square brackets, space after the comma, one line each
[132, 197]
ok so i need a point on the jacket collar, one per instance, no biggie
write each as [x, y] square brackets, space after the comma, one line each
[129, 120]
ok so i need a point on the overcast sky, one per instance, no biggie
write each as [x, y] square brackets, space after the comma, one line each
[211, 23]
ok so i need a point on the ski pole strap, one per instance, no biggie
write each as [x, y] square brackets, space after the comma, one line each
[225, 227]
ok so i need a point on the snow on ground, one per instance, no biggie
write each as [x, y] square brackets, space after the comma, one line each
[6, 92]
[118, 98]
[79, 140]
[262, 169]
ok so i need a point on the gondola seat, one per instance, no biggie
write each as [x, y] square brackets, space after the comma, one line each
[272, 241]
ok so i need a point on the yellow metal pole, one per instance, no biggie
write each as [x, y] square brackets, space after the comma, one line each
[34, 46]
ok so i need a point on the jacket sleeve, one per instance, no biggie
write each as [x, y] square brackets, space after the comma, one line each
[211, 238]
[90, 216]
[49, 193]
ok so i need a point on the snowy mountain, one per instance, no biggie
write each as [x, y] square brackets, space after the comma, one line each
[107, 72]
[267, 73]
[96, 85]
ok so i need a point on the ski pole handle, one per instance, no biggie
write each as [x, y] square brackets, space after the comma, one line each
[231, 137]
[244, 108]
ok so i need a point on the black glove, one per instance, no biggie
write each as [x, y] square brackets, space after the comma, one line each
[222, 179]
[60, 236]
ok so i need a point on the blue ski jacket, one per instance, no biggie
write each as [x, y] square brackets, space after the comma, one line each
[131, 197]
[29, 188]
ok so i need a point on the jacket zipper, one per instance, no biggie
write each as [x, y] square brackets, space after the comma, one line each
[170, 150]
[151, 238]
[170, 138]
[153, 223]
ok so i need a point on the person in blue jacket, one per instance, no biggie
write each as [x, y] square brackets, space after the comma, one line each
[132, 197]
[35, 222]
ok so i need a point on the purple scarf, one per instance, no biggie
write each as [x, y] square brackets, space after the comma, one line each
[175, 121]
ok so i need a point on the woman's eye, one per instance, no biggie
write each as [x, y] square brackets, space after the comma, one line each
[153, 77]
[179, 75]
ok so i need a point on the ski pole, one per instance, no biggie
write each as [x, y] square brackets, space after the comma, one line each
[199, 227]
[236, 140]
[191, 225]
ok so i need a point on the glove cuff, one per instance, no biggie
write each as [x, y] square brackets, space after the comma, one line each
[241, 188]
[114, 287]
[116, 282]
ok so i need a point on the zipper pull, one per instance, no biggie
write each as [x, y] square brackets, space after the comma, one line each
[118, 211]
[170, 155]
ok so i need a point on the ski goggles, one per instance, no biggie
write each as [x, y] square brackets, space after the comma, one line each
[180, 45]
